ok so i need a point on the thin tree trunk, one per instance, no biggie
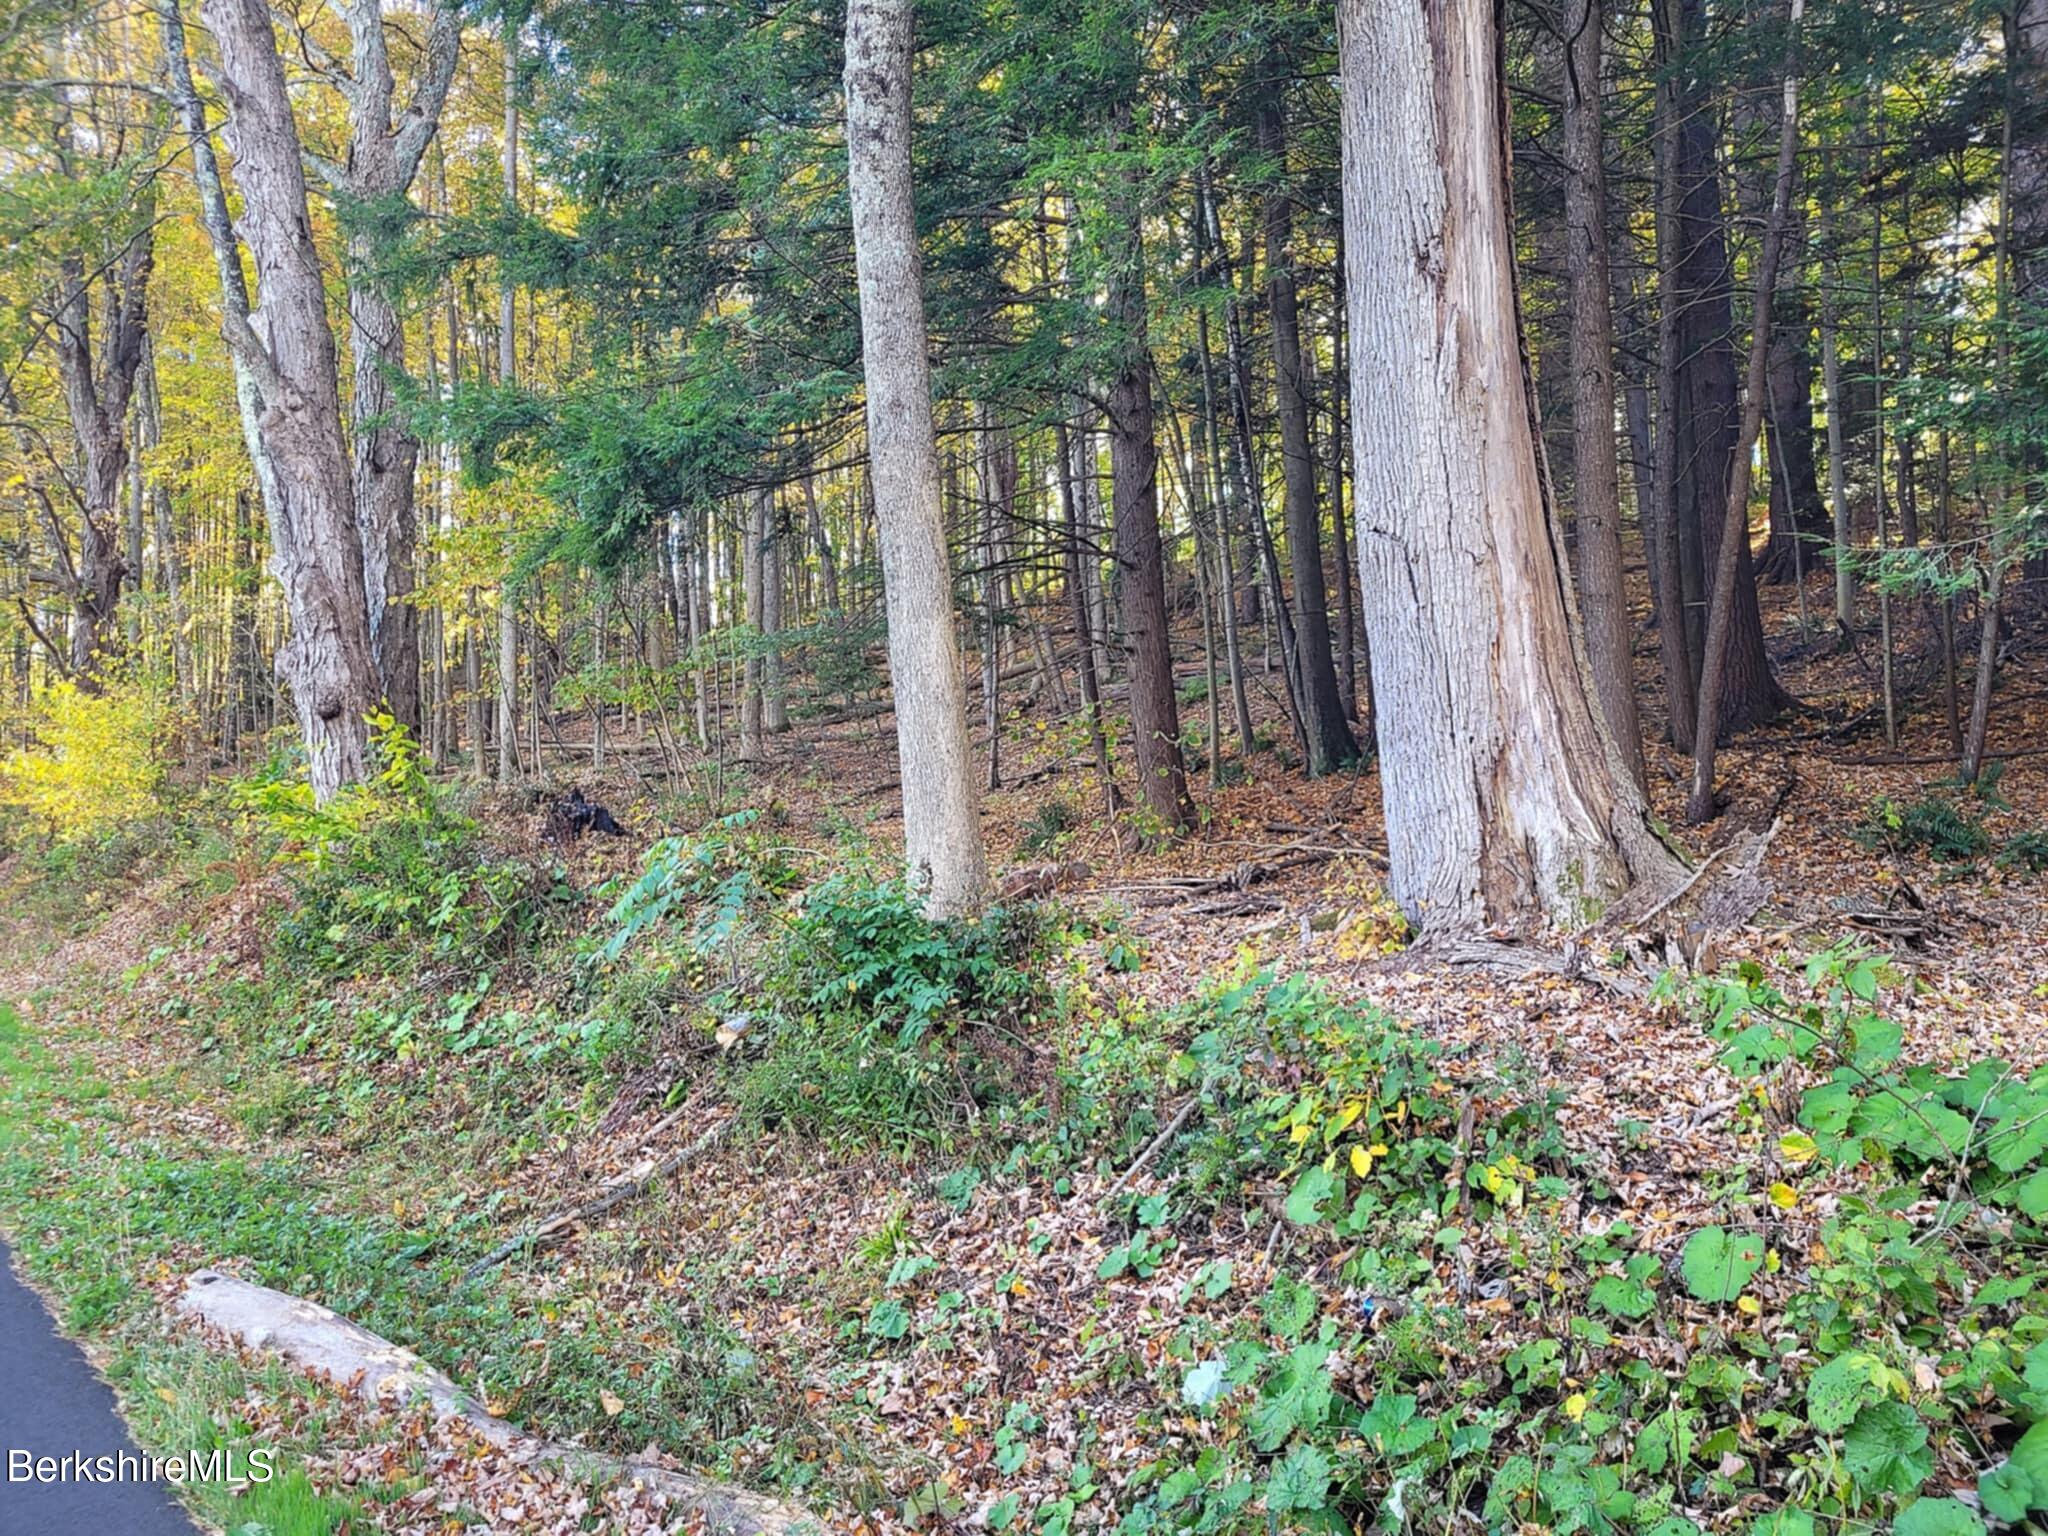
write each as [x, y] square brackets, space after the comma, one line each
[1077, 600]
[774, 685]
[1326, 727]
[753, 552]
[941, 815]
[1831, 384]
[1603, 599]
[1714, 670]
[508, 375]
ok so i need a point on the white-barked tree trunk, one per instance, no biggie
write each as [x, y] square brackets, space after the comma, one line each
[941, 809]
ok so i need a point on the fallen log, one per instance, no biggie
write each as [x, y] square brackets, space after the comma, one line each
[322, 1343]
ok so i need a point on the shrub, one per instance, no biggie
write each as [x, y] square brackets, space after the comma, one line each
[96, 766]
[390, 859]
[1934, 824]
[1046, 829]
[894, 1027]
[2025, 852]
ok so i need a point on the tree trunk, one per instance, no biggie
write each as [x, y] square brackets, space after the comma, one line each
[1799, 514]
[1603, 599]
[316, 550]
[2026, 200]
[941, 811]
[1705, 404]
[1503, 805]
[754, 552]
[1325, 726]
[1715, 671]
[508, 375]
[774, 687]
[98, 374]
[1077, 601]
[1141, 575]
[1674, 575]
[383, 158]
[1838, 455]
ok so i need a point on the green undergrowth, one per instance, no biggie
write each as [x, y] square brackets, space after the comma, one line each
[1402, 1298]
[83, 1229]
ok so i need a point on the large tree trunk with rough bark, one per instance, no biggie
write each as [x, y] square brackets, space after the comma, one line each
[1505, 806]
[941, 809]
[288, 348]
[384, 153]
[1603, 599]
[1325, 723]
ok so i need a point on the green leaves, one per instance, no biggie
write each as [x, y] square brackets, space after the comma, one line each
[2021, 1485]
[1312, 1189]
[1938, 1517]
[1301, 1481]
[1718, 1264]
[1628, 1294]
[1840, 1389]
[1296, 1399]
[1886, 1451]
[890, 1319]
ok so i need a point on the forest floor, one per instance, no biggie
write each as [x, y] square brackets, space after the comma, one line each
[1016, 1321]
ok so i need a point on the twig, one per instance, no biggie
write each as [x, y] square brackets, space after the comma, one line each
[1697, 875]
[1152, 1147]
[616, 1193]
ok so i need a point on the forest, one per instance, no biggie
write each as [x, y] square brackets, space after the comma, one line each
[1112, 765]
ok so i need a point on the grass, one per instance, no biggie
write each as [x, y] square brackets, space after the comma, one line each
[371, 1192]
[94, 1237]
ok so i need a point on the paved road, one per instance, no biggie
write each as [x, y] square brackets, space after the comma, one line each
[52, 1403]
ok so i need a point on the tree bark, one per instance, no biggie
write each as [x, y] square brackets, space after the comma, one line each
[941, 809]
[1705, 407]
[508, 376]
[1838, 456]
[2026, 201]
[754, 554]
[1504, 807]
[316, 550]
[98, 378]
[1141, 575]
[1675, 573]
[1326, 728]
[383, 158]
[774, 687]
[1603, 599]
[1715, 671]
